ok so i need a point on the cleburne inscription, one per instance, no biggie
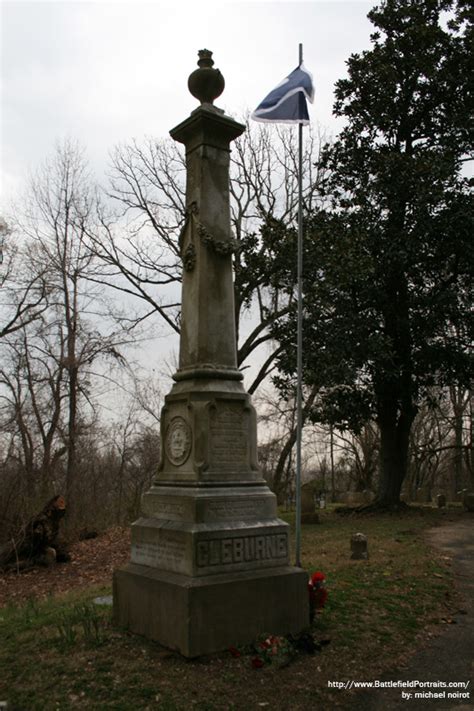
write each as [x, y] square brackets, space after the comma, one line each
[242, 549]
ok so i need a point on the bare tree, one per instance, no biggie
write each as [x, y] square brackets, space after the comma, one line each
[461, 419]
[441, 445]
[75, 329]
[278, 417]
[22, 294]
[359, 455]
[32, 394]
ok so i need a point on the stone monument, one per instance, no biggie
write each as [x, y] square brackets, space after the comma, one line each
[210, 558]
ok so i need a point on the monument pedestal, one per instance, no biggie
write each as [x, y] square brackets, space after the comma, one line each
[198, 616]
[210, 558]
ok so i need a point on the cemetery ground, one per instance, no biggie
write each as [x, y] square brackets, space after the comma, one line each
[59, 650]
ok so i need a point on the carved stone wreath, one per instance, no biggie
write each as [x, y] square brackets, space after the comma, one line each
[221, 247]
[189, 258]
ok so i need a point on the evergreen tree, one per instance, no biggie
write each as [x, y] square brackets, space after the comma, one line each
[389, 266]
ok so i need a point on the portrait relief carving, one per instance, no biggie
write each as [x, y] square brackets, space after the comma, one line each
[178, 441]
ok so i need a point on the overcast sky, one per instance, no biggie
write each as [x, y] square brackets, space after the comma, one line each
[104, 72]
[107, 72]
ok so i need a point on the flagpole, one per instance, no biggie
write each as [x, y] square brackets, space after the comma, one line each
[299, 338]
[284, 104]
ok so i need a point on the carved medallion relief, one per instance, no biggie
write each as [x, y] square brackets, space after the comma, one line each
[178, 441]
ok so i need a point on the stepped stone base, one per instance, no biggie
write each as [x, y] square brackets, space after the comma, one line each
[196, 616]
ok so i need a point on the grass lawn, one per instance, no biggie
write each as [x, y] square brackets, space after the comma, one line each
[65, 653]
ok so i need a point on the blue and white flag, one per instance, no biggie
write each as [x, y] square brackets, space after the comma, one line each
[287, 102]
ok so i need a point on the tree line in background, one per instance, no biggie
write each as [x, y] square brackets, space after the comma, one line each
[387, 291]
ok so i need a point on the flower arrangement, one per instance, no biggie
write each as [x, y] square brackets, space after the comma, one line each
[317, 593]
[274, 649]
[270, 649]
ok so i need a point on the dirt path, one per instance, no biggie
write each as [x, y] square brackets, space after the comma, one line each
[446, 658]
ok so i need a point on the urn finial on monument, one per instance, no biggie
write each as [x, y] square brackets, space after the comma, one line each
[206, 83]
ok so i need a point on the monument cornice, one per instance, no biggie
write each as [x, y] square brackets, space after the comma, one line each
[209, 372]
[207, 126]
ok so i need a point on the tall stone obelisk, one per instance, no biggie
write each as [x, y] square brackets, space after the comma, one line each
[210, 558]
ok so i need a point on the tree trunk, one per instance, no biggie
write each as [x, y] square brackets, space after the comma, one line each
[394, 390]
[394, 443]
[470, 448]
[277, 481]
[71, 440]
[458, 403]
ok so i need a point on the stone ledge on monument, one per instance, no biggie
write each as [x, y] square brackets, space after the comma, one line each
[196, 616]
[214, 504]
[208, 127]
[200, 549]
[212, 385]
[208, 372]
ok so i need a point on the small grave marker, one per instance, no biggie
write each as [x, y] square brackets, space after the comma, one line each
[359, 547]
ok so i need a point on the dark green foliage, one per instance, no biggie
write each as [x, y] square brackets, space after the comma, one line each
[389, 266]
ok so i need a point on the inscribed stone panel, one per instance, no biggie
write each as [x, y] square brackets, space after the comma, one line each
[229, 439]
[163, 552]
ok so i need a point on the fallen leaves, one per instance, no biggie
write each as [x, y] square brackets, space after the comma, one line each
[92, 564]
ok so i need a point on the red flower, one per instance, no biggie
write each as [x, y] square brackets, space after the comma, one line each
[234, 651]
[257, 663]
[317, 593]
[317, 579]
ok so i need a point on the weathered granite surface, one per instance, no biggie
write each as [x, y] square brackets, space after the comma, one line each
[200, 615]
